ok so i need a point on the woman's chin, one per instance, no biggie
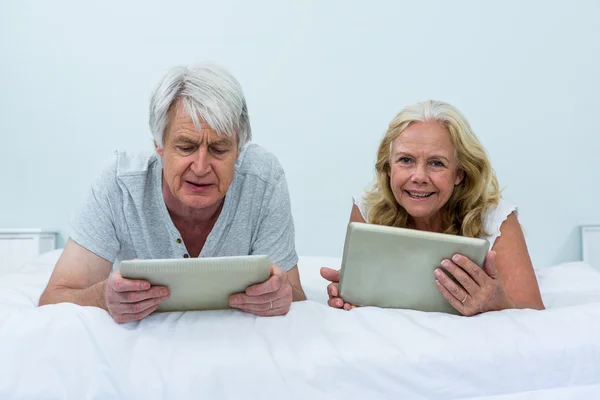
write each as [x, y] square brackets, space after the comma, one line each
[418, 211]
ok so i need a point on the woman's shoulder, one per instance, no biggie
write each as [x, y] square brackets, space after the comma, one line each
[494, 217]
[360, 202]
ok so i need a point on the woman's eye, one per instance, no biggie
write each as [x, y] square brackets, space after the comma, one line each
[437, 163]
[404, 160]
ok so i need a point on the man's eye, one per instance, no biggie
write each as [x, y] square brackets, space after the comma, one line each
[185, 148]
[219, 151]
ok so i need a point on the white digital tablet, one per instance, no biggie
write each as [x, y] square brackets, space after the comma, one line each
[393, 267]
[200, 283]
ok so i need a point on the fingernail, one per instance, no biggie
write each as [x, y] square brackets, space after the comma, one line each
[437, 272]
[145, 286]
[437, 282]
[456, 258]
[164, 292]
[445, 263]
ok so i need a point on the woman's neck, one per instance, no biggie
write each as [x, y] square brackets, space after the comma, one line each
[430, 224]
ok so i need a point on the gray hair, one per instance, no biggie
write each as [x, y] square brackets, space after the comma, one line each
[209, 94]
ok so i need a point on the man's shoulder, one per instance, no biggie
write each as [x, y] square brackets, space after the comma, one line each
[123, 167]
[134, 163]
[256, 161]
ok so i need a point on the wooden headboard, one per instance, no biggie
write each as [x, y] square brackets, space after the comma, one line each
[590, 245]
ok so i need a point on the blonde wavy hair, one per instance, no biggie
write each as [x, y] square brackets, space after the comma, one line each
[471, 199]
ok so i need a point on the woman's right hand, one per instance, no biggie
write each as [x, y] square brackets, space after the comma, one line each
[334, 301]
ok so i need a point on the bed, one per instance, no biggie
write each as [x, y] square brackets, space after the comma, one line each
[65, 351]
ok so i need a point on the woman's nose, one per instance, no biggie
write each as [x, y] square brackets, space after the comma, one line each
[420, 174]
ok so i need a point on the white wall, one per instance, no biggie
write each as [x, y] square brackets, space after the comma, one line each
[322, 79]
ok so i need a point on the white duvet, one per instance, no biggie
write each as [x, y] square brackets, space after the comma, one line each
[69, 352]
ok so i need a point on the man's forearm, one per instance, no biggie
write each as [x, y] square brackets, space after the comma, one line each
[293, 276]
[298, 294]
[91, 296]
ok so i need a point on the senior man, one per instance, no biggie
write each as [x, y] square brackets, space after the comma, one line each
[204, 192]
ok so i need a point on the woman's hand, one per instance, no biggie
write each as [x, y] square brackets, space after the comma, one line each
[481, 289]
[334, 301]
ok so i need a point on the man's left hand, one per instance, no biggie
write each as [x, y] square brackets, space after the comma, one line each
[272, 297]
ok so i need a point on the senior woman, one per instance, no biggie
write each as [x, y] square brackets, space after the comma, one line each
[433, 175]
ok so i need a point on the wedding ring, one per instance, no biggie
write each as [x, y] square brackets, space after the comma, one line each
[466, 295]
[270, 305]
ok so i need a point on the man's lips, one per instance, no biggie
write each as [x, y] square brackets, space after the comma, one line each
[199, 186]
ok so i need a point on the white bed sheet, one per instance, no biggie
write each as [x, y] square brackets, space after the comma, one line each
[69, 352]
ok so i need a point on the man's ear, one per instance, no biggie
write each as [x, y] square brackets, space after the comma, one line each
[159, 150]
[460, 176]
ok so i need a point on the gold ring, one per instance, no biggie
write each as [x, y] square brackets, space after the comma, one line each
[466, 295]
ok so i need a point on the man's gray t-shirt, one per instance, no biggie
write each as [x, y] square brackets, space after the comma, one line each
[124, 215]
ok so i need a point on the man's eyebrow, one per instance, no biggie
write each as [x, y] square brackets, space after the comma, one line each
[226, 141]
[221, 141]
[186, 139]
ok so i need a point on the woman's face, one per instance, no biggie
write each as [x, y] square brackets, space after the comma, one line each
[423, 169]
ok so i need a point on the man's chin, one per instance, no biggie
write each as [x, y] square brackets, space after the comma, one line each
[200, 202]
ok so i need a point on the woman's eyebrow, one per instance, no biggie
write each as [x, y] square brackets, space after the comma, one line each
[439, 156]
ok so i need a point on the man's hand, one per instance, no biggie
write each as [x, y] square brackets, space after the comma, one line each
[272, 297]
[131, 299]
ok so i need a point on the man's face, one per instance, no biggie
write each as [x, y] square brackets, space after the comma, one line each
[198, 166]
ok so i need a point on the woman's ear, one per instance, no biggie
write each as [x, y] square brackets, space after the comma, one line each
[460, 176]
